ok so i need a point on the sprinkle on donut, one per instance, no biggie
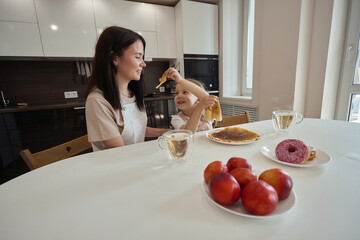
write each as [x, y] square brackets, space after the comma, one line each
[292, 151]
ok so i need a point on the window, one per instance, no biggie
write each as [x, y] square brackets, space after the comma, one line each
[237, 48]
[349, 91]
[356, 79]
[248, 47]
[354, 110]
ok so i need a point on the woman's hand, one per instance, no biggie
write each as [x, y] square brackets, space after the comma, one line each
[173, 74]
[208, 101]
[155, 132]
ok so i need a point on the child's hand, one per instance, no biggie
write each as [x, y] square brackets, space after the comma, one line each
[208, 101]
[173, 74]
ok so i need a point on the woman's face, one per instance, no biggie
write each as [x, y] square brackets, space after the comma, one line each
[131, 63]
[184, 100]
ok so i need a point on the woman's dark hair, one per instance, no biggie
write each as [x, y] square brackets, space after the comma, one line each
[112, 42]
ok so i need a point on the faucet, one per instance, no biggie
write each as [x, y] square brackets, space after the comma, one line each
[3, 101]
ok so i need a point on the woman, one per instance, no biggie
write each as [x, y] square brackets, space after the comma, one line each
[115, 111]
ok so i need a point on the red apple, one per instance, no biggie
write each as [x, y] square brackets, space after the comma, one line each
[236, 162]
[214, 168]
[259, 197]
[224, 188]
[280, 180]
[243, 176]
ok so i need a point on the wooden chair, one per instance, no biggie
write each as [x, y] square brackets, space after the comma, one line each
[57, 153]
[233, 120]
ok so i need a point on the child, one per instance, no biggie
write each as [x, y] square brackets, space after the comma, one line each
[191, 99]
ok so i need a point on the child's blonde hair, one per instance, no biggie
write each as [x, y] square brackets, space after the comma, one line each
[197, 82]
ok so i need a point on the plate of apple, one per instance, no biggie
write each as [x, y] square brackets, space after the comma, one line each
[236, 188]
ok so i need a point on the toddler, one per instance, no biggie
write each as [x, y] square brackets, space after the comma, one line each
[191, 99]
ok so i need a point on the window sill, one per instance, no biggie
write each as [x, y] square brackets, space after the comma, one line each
[242, 98]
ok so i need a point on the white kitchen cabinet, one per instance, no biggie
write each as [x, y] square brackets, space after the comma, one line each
[20, 39]
[151, 49]
[155, 23]
[132, 15]
[19, 11]
[139, 17]
[19, 29]
[165, 29]
[67, 27]
[198, 23]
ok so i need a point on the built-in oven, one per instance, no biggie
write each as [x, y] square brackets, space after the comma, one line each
[204, 68]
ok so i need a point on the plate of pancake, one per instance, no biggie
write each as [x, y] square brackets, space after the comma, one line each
[319, 159]
[234, 135]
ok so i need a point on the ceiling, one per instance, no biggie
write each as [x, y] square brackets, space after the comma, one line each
[172, 3]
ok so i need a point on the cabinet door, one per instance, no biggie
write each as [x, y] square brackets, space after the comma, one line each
[151, 49]
[200, 28]
[132, 15]
[6, 155]
[165, 25]
[19, 11]
[67, 27]
[20, 39]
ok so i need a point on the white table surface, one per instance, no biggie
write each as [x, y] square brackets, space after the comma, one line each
[133, 193]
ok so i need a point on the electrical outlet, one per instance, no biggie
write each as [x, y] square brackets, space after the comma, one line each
[71, 94]
[162, 89]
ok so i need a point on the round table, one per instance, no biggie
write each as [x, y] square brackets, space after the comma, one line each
[132, 192]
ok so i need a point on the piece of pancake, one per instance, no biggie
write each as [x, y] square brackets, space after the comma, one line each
[213, 112]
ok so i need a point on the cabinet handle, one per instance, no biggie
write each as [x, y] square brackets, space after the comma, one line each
[79, 108]
[201, 58]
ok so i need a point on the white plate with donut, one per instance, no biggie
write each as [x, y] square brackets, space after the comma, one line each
[283, 206]
[321, 157]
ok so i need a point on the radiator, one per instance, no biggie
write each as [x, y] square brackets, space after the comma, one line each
[229, 110]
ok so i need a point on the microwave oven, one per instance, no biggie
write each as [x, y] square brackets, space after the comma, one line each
[204, 68]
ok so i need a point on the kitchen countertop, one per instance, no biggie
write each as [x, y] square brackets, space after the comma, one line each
[159, 97]
[45, 106]
[59, 105]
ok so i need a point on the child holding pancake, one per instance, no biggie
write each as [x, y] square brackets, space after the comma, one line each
[191, 99]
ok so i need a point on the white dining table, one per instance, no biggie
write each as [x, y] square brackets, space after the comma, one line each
[133, 192]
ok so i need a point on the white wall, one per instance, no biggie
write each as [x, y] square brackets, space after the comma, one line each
[318, 57]
[277, 32]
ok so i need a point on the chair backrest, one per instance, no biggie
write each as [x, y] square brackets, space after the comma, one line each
[233, 120]
[57, 153]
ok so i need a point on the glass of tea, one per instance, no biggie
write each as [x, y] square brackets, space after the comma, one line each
[284, 120]
[177, 143]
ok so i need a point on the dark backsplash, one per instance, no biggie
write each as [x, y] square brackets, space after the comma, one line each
[38, 82]
[152, 72]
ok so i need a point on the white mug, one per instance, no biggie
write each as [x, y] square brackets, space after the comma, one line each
[284, 120]
[177, 143]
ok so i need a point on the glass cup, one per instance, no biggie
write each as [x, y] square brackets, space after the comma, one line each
[284, 120]
[177, 143]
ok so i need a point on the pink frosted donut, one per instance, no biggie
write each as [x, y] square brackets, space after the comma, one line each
[292, 151]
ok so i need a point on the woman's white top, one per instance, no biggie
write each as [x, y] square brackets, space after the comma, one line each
[105, 123]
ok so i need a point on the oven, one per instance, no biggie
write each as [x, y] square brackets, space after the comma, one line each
[204, 68]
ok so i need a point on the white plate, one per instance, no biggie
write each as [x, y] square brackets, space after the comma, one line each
[235, 143]
[283, 206]
[320, 158]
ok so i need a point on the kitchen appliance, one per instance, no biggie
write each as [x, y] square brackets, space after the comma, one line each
[204, 68]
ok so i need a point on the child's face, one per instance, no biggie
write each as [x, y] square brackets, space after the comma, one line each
[184, 100]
